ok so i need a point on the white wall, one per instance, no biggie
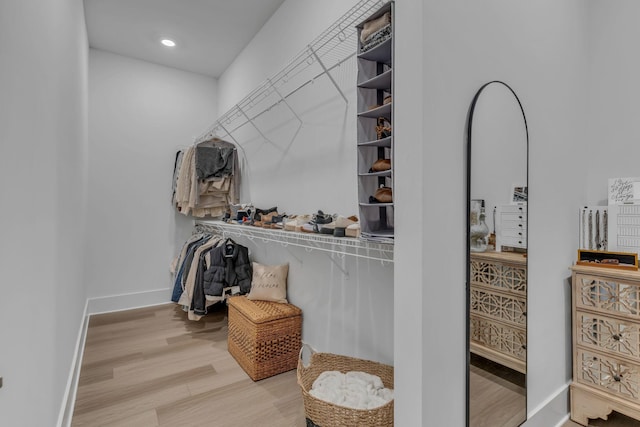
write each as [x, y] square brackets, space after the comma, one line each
[286, 33]
[306, 169]
[43, 134]
[614, 91]
[539, 49]
[140, 114]
[345, 313]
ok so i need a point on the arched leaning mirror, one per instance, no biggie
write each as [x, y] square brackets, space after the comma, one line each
[497, 188]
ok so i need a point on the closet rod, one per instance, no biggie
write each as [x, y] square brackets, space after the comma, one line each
[309, 241]
[332, 37]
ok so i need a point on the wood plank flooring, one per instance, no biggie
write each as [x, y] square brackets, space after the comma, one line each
[154, 367]
[497, 395]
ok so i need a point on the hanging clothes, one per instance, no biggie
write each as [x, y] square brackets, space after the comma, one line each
[209, 270]
[181, 265]
[208, 181]
[230, 268]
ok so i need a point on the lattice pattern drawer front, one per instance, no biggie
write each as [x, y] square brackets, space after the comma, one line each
[608, 296]
[499, 337]
[497, 306]
[500, 276]
[609, 375]
[610, 335]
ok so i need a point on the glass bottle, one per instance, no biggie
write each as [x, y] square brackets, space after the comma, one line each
[478, 231]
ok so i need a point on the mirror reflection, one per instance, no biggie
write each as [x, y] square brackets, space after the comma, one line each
[497, 258]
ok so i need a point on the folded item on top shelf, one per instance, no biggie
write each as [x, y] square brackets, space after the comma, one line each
[370, 27]
[378, 37]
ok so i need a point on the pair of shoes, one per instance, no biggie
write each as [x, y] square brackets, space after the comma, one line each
[382, 195]
[352, 230]
[266, 220]
[295, 222]
[275, 222]
[383, 128]
[260, 216]
[317, 220]
[259, 212]
[338, 226]
[380, 165]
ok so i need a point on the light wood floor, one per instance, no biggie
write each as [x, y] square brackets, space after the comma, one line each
[153, 367]
[497, 395]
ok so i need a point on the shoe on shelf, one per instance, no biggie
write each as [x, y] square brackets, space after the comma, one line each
[337, 227]
[295, 222]
[267, 219]
[380, 165]
[322, 218]
[276, 221]
[317, 220]
[353, 230]
[382, 195]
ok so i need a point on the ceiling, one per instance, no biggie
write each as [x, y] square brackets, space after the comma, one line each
[209, 34]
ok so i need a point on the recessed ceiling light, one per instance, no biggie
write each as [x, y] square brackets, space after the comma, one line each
[168, 42]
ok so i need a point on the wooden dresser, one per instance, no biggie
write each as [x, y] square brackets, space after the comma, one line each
[498, 325]
[606, 343]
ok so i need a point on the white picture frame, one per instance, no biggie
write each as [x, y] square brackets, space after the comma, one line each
[624, 191]
[519, 194]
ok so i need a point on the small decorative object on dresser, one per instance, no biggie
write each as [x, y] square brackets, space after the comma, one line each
[606, 343]
[478, 230]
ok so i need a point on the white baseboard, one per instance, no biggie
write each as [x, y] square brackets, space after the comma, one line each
[96, 306]
[553, 411]
[69, 399]
[120, 302]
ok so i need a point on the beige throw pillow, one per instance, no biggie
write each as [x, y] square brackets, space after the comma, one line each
[269, 283]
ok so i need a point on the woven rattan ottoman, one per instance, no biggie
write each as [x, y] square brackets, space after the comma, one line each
[264, 337]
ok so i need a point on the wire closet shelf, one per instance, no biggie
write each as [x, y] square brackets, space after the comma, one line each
[343, 246]
[329, 50]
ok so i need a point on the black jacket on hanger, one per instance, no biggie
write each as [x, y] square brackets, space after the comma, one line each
[230, 266]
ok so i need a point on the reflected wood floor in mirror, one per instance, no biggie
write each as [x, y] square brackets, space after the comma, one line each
[153, 367]
[615, 420]
[497, 395]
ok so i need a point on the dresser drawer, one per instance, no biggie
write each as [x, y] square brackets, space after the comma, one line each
[515, 233]
[517, 242]
[499, 337]
[508, 309]
[513, 209]
[607, 296]
[608, 374]
[499, 276]
[513, 217]
[614, 337]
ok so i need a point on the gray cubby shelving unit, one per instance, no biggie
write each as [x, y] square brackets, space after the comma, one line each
[375, 82]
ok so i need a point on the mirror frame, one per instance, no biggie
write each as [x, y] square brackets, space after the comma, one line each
[469, 129]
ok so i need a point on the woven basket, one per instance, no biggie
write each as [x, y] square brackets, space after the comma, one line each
[264, 337]
[324, 414]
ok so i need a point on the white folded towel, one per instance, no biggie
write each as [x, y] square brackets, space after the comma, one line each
[355, 389]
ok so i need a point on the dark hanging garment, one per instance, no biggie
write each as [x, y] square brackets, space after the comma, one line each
[230, 266]
[214, 159]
